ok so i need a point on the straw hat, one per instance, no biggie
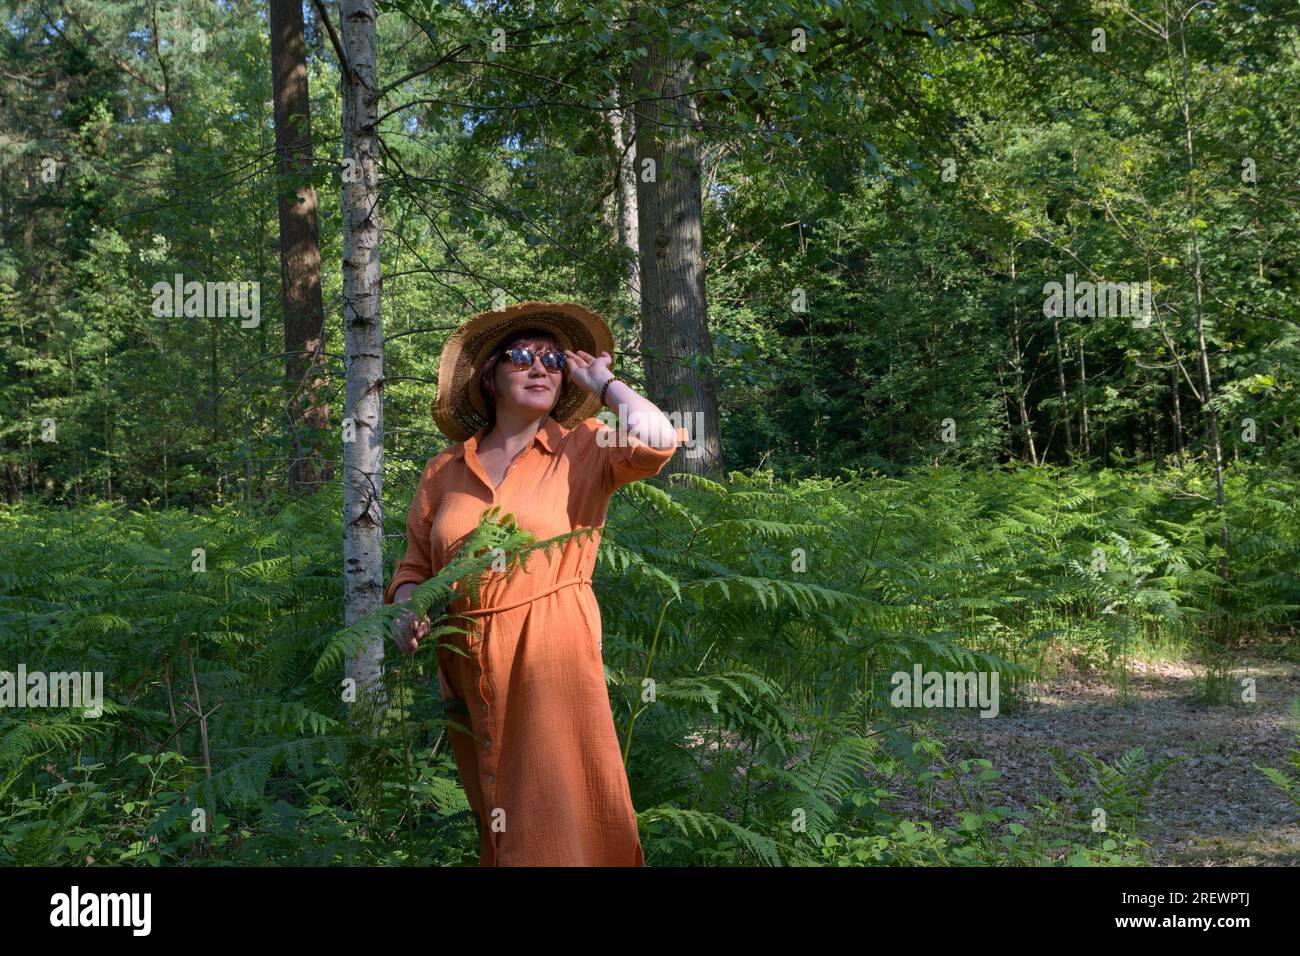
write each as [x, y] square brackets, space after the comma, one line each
[459, 410]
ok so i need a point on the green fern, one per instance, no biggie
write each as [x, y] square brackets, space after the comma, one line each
[696, 823]
[1288, 783]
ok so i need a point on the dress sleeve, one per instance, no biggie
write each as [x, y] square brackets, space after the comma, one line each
[619, 465]
[417, 566]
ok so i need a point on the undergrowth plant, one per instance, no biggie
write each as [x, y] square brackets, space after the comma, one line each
[1288, 780]
[751, 627]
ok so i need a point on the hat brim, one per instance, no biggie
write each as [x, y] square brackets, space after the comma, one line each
[459, 409]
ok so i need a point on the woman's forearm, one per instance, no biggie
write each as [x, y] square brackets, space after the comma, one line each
[403, 592]
[643, 418]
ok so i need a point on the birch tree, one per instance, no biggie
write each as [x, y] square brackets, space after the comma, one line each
[363, 356]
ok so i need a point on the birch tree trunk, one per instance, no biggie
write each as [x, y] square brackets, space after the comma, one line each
[363, 356]
[670, 238]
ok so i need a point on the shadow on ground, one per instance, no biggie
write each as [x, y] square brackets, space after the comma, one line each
[1212, 808]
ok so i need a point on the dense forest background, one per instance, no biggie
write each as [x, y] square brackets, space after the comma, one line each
[853, 314]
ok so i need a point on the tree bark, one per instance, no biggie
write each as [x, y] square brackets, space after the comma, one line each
[1083, 402]
[305, 370]
[1026, 423]
[1177, 411]
[623, 126]
[1060, 382]
[670, 239]
[363, 359]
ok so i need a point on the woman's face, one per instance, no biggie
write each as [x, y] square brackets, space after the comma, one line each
[532, 391]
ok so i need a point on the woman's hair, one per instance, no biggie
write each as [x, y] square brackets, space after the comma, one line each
[535, 339]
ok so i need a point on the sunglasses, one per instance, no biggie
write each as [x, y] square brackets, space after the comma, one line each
[522, 358]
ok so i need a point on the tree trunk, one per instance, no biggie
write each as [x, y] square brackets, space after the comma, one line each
[1017, 367]
[1178, 411]
[1083, 402]
[1006, 405]
[623, 124]
[363, 359]
[670, 240]
[304, 313]
[1207, 387]
[108, 438]
[1060, 382]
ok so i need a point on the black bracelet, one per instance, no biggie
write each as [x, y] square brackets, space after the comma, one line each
[612, 378]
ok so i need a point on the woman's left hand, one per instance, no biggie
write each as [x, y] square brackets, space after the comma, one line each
[589, 371]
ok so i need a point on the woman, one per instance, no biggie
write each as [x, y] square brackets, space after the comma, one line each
[542, 767]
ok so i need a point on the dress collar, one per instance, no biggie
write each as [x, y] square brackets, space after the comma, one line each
[548, 436]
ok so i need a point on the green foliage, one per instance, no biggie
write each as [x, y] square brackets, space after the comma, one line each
[752, 624]
[986, 832]
[1118, 790]
[750, 628]
[1288, 780]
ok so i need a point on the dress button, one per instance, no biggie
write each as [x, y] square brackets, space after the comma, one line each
[487, 744]
[492, 778]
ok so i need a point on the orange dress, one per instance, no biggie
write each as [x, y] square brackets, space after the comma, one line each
[543, 768]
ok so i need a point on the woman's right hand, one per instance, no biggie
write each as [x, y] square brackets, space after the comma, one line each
[411, 629]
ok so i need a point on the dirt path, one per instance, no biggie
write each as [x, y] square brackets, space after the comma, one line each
[1212, 808]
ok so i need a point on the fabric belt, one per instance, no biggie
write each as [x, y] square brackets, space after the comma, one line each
[567, 582]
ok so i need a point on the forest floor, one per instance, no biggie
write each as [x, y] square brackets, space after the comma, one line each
[1212, 808]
